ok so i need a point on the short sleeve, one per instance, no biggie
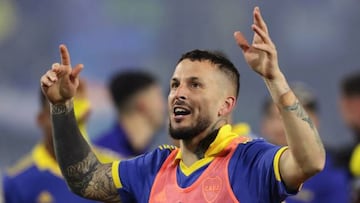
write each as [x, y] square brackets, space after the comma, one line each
[257, 162]
[134, 177]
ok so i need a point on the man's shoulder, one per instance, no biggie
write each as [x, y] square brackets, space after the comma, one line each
[23, 166]
[161, 152]
[22, 174]
[152, 159]
[254, 147]
[252, 142]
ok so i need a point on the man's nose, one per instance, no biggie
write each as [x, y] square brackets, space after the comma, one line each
[181, 93]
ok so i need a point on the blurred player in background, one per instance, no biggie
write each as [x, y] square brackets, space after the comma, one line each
[330, 185]
[350, 111]
[140, 113]
[37, 176]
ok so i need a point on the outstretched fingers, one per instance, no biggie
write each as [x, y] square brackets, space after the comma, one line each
[263, 35]
[241, 41]
[259, 21]
[264, 47]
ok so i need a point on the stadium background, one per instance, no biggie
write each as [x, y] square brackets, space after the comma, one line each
[317, 42]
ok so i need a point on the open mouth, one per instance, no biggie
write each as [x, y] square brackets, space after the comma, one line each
[180, 111]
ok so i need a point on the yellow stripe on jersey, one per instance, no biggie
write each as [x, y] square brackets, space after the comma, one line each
[166, 146]
[21, 165]
[115, 174]
[40, 158]
[198, 164]
[277, 161]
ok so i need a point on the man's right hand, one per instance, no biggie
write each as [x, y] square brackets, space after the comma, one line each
[59, 84]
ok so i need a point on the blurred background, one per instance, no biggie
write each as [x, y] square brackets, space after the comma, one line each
[317, 42]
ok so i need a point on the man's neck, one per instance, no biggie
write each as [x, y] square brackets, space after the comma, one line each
[194, 149]
[138, 131]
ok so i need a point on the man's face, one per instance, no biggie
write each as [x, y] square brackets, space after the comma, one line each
[350, 110]
[154, 105]
[194, 99]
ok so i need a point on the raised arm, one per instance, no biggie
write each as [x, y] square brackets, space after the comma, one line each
[84, 174]
[306, 155]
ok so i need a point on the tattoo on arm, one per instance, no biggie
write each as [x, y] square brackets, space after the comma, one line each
[301, 113]
[85, 175]
[89, 178]
[59, 109]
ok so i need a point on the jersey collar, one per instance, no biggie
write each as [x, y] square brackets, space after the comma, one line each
[222, 140]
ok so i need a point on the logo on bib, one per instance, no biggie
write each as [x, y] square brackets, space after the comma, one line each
[211, 188]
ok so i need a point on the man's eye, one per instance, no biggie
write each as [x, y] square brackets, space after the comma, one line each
[174, 85]
[195, 85]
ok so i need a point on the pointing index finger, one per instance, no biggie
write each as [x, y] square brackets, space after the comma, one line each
[65, 56]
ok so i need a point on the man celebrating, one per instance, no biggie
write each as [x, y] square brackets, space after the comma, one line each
[213, 163]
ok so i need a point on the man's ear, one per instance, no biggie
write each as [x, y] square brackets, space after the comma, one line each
[227, 107]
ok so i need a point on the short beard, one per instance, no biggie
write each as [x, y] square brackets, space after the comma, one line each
[188, 133]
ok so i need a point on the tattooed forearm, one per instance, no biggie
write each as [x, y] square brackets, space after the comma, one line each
[89, 178]
[79, 174]
[85, 175]
[101, 185]
[300, 113]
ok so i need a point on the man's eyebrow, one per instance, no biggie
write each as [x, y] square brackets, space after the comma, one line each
[194, 78]
[174, 80]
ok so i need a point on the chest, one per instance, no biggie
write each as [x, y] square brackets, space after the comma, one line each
[211, 185]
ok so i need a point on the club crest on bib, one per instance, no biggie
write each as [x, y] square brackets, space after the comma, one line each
[211, 188]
